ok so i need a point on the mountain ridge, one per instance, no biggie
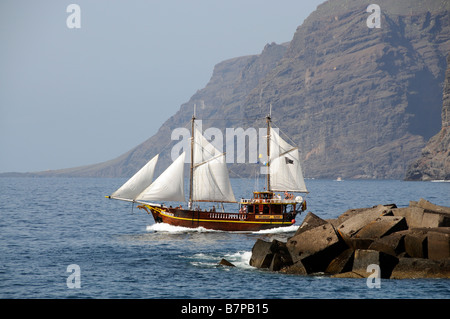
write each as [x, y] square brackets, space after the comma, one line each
[359, 102]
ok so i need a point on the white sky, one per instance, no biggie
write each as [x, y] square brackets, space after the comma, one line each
[71, 97]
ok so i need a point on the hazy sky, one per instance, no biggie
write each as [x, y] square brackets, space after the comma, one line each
[71, 97]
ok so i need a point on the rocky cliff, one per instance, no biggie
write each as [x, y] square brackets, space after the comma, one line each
[360, 102]
[434, 164]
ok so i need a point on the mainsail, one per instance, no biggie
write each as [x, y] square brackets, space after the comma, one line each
[285, 169]
[136, 184]
[211, 182]
[169, 186]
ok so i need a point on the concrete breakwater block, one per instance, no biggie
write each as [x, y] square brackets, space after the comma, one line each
[261, 254]
[355, 223]
[411, 268]
[416, 243]
[393, 244]
[382, 226]
[381, 235]
[342, 263]
[272, 255]
[417, 217]
[315, 247]
[364, 258]
[439, 243]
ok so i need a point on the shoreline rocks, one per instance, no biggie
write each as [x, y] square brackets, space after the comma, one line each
[407, 242]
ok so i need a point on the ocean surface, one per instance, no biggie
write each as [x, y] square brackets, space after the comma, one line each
[48, 225]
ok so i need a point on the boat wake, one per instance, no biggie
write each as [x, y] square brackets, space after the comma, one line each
[163, 227]
[278, 230]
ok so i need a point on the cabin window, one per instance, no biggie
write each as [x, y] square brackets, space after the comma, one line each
[250, 209]
[266, 209]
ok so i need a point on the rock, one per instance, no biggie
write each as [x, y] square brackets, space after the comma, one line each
[349, 274]
[295, 269]
[261, 254]
[350, 213]
[273, 255]
[433, 215]
[435, 163]
[392, 244]
[281, 256]
[318, 82]
[355, 223]
[439, 243]
[423, 203]
[413, 215]
[309, 222]
[363, 258]
[435, 220]
[416, 243]
[418, 216]
[342, 263]
[370, 236]
[225, 262]
[316, 247]
[410, 268]
[382, 226]
[358, 243]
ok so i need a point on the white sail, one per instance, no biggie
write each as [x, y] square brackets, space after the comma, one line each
[211, 181]
[169, 186]
[285, 169]
[203, 149]
[136, 184]
[210, 174]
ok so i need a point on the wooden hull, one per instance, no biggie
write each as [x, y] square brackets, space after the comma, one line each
[218, 220]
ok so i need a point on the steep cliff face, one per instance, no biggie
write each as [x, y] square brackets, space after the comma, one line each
[359, 102]
[434, 164]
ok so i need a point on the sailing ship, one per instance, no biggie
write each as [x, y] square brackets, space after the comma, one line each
[209, 182]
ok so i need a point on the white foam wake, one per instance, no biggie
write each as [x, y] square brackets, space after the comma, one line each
[163, 227]
[278, 230]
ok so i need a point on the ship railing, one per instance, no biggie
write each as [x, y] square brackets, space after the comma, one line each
[267, 201]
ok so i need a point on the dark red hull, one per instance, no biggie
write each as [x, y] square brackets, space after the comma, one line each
[218, 220]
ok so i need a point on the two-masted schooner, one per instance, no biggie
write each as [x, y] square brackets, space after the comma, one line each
[209, 182]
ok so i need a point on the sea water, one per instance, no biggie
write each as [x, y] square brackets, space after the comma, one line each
[48, 225]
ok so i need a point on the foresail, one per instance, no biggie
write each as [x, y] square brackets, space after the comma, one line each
[285, 168]
[211, 181]
[136, 184]
[169, 186]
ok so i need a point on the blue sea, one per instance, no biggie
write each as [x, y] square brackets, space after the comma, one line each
[47, 225]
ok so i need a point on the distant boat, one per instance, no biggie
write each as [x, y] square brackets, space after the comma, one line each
[209, 182]
[339, 179]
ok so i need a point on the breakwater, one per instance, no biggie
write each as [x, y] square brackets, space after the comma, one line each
[407, 242]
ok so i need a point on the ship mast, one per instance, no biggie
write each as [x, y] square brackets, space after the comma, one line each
[191, 169]
[268, 119]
